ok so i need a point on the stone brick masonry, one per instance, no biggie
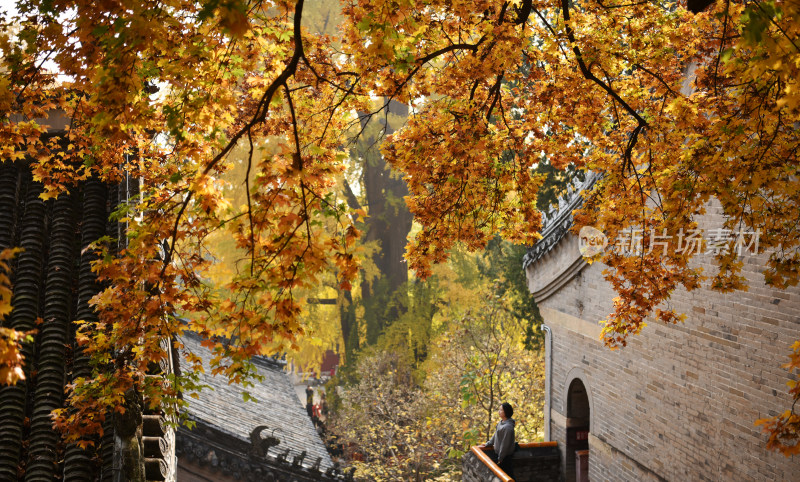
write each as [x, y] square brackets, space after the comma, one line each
[680, 401]
[540, 464]
[473, 470]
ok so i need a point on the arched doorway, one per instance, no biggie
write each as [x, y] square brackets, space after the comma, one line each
[577, 429]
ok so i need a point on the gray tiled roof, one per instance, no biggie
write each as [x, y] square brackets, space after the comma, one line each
[277, 407]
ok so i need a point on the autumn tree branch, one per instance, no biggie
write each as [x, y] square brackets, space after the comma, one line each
[587, 73]
[260, 116]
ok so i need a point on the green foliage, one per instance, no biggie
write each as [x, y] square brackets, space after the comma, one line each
[756, 19]
[410, 334]
[503, 261]
[416, 313]
[555, 184]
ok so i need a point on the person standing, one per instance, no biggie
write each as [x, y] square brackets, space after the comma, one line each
[324, 406]
[503, 440]
[309, 400]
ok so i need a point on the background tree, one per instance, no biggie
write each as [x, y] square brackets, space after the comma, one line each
[486, 351]
[388, 224]
[383, 424]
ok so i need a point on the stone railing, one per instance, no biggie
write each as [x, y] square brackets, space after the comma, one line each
[533, 462]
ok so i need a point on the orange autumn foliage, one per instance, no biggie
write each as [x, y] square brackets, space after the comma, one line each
[168, 92]
[11, 359]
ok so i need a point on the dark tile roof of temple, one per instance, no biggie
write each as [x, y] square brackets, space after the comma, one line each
[225, 421]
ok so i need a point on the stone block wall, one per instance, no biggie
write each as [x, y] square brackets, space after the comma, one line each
[680, 401]
[539, 464]
[474, 470]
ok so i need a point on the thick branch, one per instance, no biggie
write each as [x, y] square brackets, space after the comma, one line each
[523, 12]
[352, 200]
[450, 48]
[321, 301]
[587, 73]
[258, 117]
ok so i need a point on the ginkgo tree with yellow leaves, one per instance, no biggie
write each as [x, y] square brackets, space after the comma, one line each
[173, 92]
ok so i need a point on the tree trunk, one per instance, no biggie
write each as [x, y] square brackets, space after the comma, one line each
[389, 223]
[25, 300]
[128, 434]
[347, 318]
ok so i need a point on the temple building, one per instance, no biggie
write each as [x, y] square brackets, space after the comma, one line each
[680, 401]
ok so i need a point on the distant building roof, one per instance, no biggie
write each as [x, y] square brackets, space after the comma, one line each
[277, 413]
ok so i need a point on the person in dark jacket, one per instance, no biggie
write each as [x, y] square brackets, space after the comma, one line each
[310, 401]
[503, 440]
